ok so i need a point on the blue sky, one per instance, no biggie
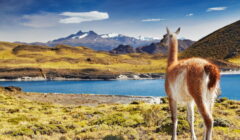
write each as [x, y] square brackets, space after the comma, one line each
[44, 20]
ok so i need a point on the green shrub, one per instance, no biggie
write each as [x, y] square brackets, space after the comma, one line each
[21, 132]
[13, 110]
[220, 100]
[164, 100]
[167, 126]
[153, 116]
[121, 119]
[18, 119]
[47, 129]
[111, 137]
[221, 122]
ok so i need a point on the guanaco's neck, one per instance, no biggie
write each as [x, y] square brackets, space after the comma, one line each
[173, 51]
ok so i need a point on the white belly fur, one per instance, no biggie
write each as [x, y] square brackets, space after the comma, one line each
[179, 89]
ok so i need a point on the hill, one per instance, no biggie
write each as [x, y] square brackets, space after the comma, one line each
[37, 60]
[62, 61]
[39, 119]
[222, 44]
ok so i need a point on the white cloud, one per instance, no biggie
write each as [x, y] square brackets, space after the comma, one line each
[45, 19]
[189, 15]
[41, 20]
[78, 17]
[152, 20]
[216, 9]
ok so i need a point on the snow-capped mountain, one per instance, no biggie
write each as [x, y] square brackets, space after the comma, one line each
[96, 41]
[104, 42]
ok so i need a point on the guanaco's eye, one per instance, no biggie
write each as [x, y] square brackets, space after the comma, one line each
[171, 36]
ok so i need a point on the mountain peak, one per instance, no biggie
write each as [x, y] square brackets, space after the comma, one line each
[79, 32]
[92, 33]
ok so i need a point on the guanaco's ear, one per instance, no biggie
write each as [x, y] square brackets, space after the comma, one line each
[178, 30]
[168, 31]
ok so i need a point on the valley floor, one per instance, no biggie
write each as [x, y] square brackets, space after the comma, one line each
[60, 116]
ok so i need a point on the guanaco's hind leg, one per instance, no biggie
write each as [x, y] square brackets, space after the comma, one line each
[190, 118]
[207, 118]
[173, 109]
[198, 90]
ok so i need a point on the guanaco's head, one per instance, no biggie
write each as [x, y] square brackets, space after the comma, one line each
[169, 36]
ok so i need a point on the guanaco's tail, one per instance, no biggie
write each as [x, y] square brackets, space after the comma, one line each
[214, 75]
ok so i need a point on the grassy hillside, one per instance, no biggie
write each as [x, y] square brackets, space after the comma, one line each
[66, 61]
[25, 119]
[235, 60]
[222, 44]
[66, 57]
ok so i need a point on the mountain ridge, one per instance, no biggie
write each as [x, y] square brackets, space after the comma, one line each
[152, 48]
[102, 42]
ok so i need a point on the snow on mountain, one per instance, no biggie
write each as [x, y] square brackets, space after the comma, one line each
[111, 35]
[147, 38]
[182, 38]
[81, 36]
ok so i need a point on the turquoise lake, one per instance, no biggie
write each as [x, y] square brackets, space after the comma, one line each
[230, 85]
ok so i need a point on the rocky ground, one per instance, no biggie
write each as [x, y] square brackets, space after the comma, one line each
[81, 99]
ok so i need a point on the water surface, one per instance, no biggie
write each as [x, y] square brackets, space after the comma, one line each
[230, 85]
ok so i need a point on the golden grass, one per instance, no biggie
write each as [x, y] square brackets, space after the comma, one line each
[23, 119]
[235, 60]
[67, 57]
[81, 58]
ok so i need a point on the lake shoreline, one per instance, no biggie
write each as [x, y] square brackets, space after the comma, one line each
[233, 72]
[145, 76]
[80, 99]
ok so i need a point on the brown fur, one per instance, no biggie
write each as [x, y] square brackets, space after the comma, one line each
[186, 81]
[194, 70]
[214, 75]
[172, 56]
[194, 79]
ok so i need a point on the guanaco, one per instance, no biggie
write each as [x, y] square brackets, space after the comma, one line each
[190, 81]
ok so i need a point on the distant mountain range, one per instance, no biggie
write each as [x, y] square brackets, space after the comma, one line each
[105, 42]
[153, 48]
